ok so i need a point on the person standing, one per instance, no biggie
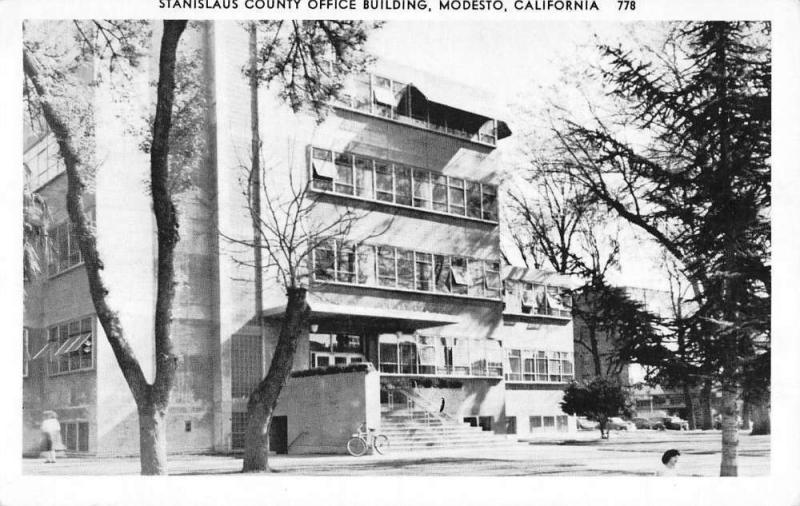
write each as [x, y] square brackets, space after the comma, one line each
[51, 430]
[670, 461]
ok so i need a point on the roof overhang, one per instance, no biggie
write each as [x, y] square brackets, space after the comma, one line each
[335, 317]
[464, 101]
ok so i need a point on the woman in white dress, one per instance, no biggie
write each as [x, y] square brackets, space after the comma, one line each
[51, 430]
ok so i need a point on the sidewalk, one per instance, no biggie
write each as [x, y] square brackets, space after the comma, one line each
[634, 454]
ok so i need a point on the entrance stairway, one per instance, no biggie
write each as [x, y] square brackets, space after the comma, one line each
[414, 426]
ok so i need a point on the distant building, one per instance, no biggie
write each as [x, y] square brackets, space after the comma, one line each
[427, 303]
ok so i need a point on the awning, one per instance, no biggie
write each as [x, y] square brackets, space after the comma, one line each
[41, 352]
[67, 345]
[335, 317]
[76, 345]
[324, 168]
[458, 97]
[385, 96]
[541, 277]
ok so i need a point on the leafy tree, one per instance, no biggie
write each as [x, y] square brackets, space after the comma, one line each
[56, 87]
[307, 62]
[598, 400]
[686, 158]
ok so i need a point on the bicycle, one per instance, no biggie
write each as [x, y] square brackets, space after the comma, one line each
[365, 439]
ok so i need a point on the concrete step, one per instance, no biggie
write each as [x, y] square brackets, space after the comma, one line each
[399, 447]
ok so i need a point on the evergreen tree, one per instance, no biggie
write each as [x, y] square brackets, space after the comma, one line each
[697, 180]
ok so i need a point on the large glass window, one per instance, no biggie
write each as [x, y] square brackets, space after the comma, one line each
[456, 195]
[64, 251]
[439, 192]
[423, 271]
[344, 173]
[402, 185]
[346, 263]
[364, 178]
[474, 200]
[489, 203]
[387, 347]
[387, 268]
[323, 169]
[324, 262]
[460, 277]
[384, 182]
[405, 269]
[422, 189]
[476, 279]
[492, 278]
[539, 366]
[366, 265]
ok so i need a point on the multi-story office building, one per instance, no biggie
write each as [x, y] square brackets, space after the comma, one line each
[415, 286]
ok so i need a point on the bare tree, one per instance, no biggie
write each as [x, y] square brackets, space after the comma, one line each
[308, 61]
[49, 90]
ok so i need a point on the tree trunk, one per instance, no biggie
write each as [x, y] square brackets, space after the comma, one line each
[687, 399]
[730, 433]
[705, 405]
[153, 441]
[263, 400]
[761, 417]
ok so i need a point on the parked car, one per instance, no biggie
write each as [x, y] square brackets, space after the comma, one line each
[586, 424]
[617, 423]
[675, 423]
[648, 423]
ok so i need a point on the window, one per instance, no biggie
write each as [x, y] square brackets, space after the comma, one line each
[64, 251]
[492, 278]
[384, 182]
[511, 425]
[534, 298]
[346, 263]
[44, 161]
[71, 346]
[238, 429]
[541, 366]
[349, 174]
[334, 349]
[471, 420]
[549, 422]
[562, 424]
[514, 365]
[426, 348]
[246, 364]
[75, 436]
[422, 189]
[405, 269]
[366, 265]
[387, 349]
[489, 197]
[476, 285]
[418, 354]
[439, 192]
[441, 272]
[474, 200]
[387, 268]
[364, 178]
[324, 172]
[344, 173]
[324, 261]
[535, 423]
[456, 194]
[423, 271]
[26, 353]
[402, 185]
[485, 423]
[458, 269]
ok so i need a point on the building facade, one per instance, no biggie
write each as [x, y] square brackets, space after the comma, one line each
[414, 287]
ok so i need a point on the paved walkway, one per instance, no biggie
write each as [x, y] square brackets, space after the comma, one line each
[637, 453]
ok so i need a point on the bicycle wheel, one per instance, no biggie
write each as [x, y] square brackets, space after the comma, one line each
[381, 444]
[357, 446]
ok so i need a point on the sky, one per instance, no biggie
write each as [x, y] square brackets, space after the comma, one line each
[521, 63]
